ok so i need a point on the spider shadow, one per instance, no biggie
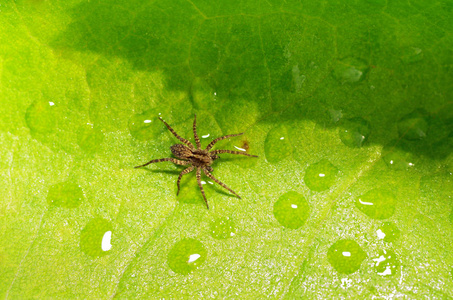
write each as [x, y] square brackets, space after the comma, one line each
[214, 186]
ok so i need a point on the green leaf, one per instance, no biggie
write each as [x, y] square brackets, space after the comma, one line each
[347, 104]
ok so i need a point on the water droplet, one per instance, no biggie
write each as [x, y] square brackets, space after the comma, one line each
[397, 158]
[276, 148]
[350, 70]
[205, 136]
[354, 132]
[89, 138]
[65, 194]
[388, 232]
[349, 263]
[145, 126]
[291, 210]
[40, 117]
[240, 149]
[186, 255]
[335, 115]
[377, 204]
[413, 126]
[320, 176]
[298, 79]
[412, 55]
[386, 263]
[95, 238]
[223, 228]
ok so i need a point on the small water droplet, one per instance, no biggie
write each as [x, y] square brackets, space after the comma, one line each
[298, 79]
[412, 55]
[142, 127]
[40, 117]
[186, 255]
[377, 204]
[275, 148]
[89, 138]
[95, 238]
[346, 264]
[385, 263]
[222, 228]
[65, 194]
[350, 70]
[414, 125]
[320, 176]
[397, 158]
[389, 232]
[205, 136]
[335, 115]
[354, 132]
[291, 210]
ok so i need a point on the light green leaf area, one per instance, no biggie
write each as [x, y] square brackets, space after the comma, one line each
[348, 105]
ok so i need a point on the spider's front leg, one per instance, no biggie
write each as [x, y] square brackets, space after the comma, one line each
[201, 186]
[184, 172]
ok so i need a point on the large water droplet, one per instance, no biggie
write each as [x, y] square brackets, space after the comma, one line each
[65, 194]
[320, 176]
[277, 145]
[89, 138]
[385, 263]
[223, 228]
[377, 204]
[95, 238]
[145, 126]
[346, 256]
[397, 158]
[413, 126]
[388, 232]
[40, 116]
[354, 132]
[186, 256]
[350, 70]
[291, 210]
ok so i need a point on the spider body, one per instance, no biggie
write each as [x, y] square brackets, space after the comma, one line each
[196, 158]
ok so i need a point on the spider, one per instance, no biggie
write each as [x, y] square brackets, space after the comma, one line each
[198, 158]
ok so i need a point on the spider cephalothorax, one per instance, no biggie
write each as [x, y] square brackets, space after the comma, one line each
[201, 159]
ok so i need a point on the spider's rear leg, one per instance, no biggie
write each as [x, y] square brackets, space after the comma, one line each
[201, 186]
[173, 160]
[184, 172]
[219, 182]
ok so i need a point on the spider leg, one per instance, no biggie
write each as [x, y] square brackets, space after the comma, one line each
[219, 182]
[176, 135]
[197, 139]
[173, 160]
[232, 152]
[201, 186]
[211, 144]
[184, 172]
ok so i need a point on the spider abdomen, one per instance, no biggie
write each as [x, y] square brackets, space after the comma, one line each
[181, 151]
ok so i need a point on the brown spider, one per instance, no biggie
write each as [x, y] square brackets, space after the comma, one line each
[196, 157]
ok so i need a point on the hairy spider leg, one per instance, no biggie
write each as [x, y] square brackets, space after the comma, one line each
[177, 136]
[173, 160]
[201, 186]
[197, 139]
[231, 152]
[184, 172]
[211, 144]
[219, 182]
